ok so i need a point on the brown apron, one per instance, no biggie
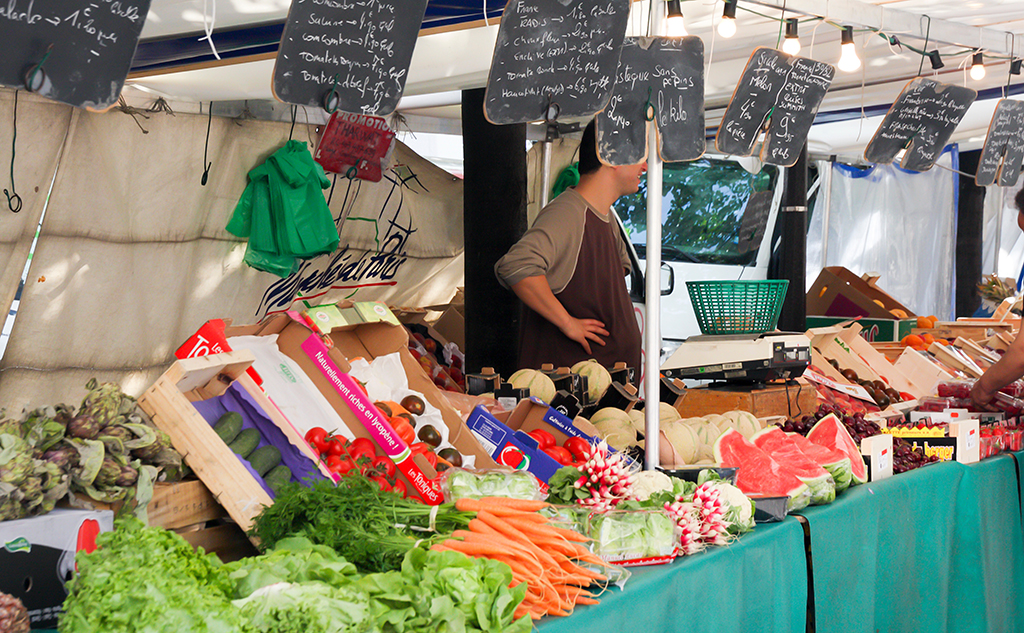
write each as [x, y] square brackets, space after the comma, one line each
[597, 290]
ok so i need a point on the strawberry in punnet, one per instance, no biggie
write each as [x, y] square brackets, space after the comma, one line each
[605, 477]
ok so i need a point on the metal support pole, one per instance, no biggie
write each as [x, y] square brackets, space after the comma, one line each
[826, 188]
[545, 176]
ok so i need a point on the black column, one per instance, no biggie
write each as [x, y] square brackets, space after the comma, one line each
[494, 218]
[793, 264]
[970, 229]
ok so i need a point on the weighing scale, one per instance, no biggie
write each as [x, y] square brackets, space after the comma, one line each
[740, 357]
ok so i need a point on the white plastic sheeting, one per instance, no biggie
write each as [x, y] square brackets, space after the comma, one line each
[897, 224]
[1001, 232]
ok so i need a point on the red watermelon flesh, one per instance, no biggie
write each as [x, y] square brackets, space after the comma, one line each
[835, 462]
[831, 433]
[758, 473]
[784, 450]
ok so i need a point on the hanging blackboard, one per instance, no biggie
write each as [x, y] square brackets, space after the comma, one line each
[665, 75]
[349, 55]
[754, 221]
[780, 91]
[561, 53]
[83, 48]
[1004, 146]
[922, 119]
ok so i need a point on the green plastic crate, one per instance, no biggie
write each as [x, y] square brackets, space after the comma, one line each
[737, 307]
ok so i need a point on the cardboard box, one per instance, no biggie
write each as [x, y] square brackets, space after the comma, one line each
[877, 452]
[534, 413]
[451, 325]
[872, 329]
[327, 367]
[838, 292]
[38, 558]
[845, 345]
[511, 448]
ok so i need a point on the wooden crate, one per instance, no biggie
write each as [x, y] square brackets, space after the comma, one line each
[168, 403]
[226, 540]
[174, 505]
[972, 329]
[797, 398]
[890, 350]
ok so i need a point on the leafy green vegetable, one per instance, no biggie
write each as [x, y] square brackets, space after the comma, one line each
[148, 579]
[632, 534]
[517, 484]
[294, 559]
[371, 529]
[561, 486]
[305, 608]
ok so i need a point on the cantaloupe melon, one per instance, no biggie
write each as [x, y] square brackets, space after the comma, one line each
[638, 419]
[667, 412]
[537, 382]
[615, 427]
[598, 378]
[683, 439]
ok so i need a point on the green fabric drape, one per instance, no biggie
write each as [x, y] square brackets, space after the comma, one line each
[283, 212]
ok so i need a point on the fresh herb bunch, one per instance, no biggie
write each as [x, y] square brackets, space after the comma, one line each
[372, 529]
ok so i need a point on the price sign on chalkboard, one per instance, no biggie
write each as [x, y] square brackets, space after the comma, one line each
[348, 55]
[554, 58]
[778, 91]
[661, 77]
[1004, 146]
[73, 51]
[921, 120]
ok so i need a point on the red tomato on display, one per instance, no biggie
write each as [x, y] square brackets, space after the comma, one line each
[340, 465]
[385, 467]
[400, 488]
[579, 448]
[381, 482]
[335, 445]
[544, 439]
[560, 455]
[362, 451]
[315, 436]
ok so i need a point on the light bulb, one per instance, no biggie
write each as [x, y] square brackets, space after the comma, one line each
[727, 27]
[977, 67]
[675, 27]
[791, 46]
[848, 60]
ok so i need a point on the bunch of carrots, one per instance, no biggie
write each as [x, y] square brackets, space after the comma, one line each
[542, 555]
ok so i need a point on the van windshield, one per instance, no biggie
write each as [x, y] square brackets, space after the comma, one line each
[702, 211]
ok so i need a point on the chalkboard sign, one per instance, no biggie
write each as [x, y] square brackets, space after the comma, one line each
[754, 221]
[348, 55]
[74, 51]
[780, 91]
[554, 58]
[921, 120]
[1004, 146]
[666, 76]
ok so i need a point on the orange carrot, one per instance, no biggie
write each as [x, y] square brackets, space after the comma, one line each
[486, 503]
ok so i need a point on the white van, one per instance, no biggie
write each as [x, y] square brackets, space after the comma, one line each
[704, 233]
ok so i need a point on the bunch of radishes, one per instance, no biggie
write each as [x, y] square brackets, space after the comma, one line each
[701, 518]
[606, 477]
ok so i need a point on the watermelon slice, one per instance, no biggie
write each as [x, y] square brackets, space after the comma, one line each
[758, 473]
[831, 433]
[776, 443]
[835, 462]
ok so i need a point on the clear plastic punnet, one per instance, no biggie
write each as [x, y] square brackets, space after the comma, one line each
[629, 535]
[459, 483]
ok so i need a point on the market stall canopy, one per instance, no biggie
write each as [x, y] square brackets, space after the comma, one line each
[457, 40]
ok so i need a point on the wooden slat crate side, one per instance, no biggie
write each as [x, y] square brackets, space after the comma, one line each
[227, 541]
[211, 460]
[176, 505]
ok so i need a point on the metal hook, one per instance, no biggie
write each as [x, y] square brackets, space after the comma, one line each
[333, 98]
[351, 173]
[649, 110]
[37, 70]
[13, 199]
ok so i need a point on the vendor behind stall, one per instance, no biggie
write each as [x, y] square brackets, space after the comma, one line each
[1011, 366]
[569, 269]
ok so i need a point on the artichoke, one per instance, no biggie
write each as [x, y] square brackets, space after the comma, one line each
[149, 453]
[41, 428]
[64, 457]
[109, 473]
[84, 426]
[104, 402]
[128, 477]
[16, 461]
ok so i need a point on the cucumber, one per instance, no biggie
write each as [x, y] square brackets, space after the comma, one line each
[264, 458]
[228, 426]
[277, 477]
[245, 443]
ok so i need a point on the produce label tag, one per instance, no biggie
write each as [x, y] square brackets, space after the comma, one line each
[652, 560]
[209, 339]
[379, 429]
[851, 390]
[20, 544]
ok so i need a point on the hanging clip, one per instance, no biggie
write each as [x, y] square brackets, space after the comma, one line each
[351, 173]
[649, 110]
[333, 98]
[35, 78]
[13, 199]
[551, 112]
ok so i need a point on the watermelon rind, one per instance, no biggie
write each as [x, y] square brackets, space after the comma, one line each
[840, 469]
[822, 486]
[799, 495]
[830, 432]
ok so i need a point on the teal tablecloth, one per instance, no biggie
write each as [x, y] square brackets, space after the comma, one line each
[935, 549]
[758, 583]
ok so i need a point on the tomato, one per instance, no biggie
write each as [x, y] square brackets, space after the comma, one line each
[419, 448]
[560, 455]
[335, 445]
[579, 447]
[384, 466]
[381, 482]
[315, 436]
[404, 429]
[400, 488]
[362, 451]
[340, 465]
[544, 439]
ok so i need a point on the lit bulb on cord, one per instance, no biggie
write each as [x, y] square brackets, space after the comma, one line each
[727, 25]
[791, 45]
[848, 60]
[977, 67]
[674, 26]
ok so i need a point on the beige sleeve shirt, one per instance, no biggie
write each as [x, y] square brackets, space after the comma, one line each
[551, 246]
